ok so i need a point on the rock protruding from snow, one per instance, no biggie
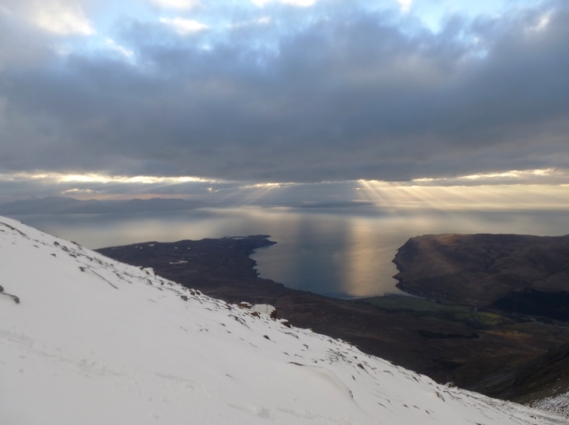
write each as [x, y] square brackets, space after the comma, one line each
[245, 304]
[266, 310]
[95, 341]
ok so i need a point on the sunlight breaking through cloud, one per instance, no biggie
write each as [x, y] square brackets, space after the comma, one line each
[111, 44]
[298, 3]
[400, 196]
[100, 178]
[184, 26]
[405, 5]
[542, 23]
[178, 4]
[63, 19]
[546, 188]
[545, 175]
[285, 90]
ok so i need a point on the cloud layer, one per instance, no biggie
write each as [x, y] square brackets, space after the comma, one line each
[281, 92]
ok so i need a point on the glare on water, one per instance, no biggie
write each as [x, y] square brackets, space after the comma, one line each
[343, 251]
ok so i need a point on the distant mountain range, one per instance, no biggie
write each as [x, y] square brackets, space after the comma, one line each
[64, 205]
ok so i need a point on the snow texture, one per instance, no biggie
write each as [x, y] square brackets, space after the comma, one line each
[558, 404]
[93, 341]
[266, 310]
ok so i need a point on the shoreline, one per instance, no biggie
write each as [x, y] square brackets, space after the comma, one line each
[429, 338]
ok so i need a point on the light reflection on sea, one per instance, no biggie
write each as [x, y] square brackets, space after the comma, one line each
[342, 252]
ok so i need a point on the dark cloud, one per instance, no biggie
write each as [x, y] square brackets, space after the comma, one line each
[354, 95]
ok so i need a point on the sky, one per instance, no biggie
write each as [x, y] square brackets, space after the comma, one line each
[189, 97]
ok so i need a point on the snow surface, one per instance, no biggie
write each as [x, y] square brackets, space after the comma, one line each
[558, 404]
[266, 310]
[94, 341]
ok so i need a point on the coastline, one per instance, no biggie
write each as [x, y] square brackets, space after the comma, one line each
[430, 338]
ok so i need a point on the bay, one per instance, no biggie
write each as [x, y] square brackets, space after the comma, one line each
[336, 251]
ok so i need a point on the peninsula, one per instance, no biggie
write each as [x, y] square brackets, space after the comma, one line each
[449, 342]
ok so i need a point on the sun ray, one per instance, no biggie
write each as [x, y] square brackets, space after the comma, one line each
[397, 197]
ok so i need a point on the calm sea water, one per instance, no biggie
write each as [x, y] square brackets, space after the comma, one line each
[341, 252]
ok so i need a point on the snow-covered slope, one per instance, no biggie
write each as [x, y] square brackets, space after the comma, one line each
[558, 404]
[94, 341]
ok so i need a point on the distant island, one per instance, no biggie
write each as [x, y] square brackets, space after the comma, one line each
[457, 339]
[64, 205]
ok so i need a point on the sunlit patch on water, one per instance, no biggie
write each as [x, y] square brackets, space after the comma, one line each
[342, 252]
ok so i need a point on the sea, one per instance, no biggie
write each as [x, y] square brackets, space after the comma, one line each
[338, 251]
